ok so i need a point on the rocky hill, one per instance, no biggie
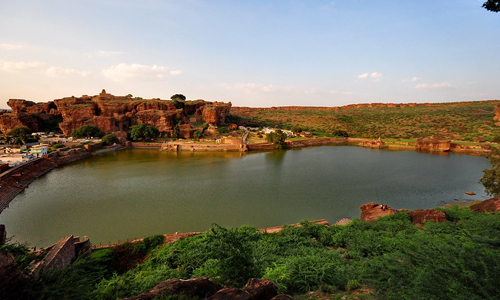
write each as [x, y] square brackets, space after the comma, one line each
[110, 113]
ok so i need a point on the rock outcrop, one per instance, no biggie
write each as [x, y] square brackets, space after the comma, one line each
[433, 144]
[196, 287]
[372, 211]
[490, 205]
[420, 216]
[204, 288]
[110, 113]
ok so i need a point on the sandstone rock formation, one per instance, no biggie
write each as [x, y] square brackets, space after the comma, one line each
[110, 113]
[196, 287]
[372, 211]
[433, 144]
[420, 216]
[490, 205]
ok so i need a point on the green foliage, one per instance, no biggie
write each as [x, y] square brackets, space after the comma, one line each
[110, 139]
[176, 133]
[450, 260]
[492, 5]
[341, 133]
[143, 132]
[296, 129]
[20, 135]
[277, 138]
[491, 177]
[196, 135]
[179, 100]
[87, 131]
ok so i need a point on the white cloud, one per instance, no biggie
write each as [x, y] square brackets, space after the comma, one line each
[11, 46]
[58, 71]
[374, 75]
[416, 79]
[123, 72]
[14, 66]
[434, 85]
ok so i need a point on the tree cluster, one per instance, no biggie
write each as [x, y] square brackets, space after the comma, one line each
[144, 132]
[20, 135]
[491, 177]
[87, 131]
[277, 138]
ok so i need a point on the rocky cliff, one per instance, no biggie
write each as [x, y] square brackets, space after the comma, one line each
[110, 113]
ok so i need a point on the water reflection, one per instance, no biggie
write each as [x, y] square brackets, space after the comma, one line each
[138, 192]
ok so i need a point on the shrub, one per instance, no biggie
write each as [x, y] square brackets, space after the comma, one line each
[110, 139]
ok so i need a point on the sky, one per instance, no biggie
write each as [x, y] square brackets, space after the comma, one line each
[257, 53]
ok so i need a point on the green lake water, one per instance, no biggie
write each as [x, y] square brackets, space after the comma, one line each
[140, 192]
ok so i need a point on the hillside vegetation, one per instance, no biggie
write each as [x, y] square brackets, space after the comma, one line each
[459, 121]
[388, 259]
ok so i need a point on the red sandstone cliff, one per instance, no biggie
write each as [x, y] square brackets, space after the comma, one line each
[110, 113]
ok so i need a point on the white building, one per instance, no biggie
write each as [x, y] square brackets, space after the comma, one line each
[39, 150]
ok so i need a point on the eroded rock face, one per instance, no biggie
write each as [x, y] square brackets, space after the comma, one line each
[261, 289]
[372, 211]
[490, 205]
[432, 144]
[196, 287]
[111, 113]
[420, 216]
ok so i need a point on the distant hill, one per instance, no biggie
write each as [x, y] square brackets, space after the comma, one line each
[458, 120]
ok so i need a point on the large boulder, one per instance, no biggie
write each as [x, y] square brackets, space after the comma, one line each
[420, 216]
[231, 294]
[261, 289]
[490, 205]
[372, 211]
[200, 287]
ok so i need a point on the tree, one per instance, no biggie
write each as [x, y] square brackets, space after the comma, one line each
[179, 100]
[110, 139]
[20, 135]
[143, 132]
[277, 138]
[177, 131]
[491, 177]
[197, 135]
[296, 129]
[492, 5]
[87, 131]
[341, 133]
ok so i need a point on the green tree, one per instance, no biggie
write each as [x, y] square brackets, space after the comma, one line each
[179, 100]
[492, 5]
[277, 138]
[341, 133]
[143, 132]
[491, 177]
[110, 139]
[177, 131]
[87, 131]
[197, 135]
[296, 129]
[20, 135]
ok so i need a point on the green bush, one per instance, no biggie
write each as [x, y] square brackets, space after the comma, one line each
[110, 139]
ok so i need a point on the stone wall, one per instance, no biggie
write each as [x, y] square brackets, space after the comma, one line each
[61, 255]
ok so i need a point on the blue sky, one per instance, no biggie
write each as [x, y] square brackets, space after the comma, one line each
[251, 53]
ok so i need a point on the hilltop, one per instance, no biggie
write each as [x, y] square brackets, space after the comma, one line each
[465, 121]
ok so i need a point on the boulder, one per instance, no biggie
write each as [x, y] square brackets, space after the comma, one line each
[231, 294]
[420, 216]
[372, 211]
[261, 289]
[200, 287]
[490, 205]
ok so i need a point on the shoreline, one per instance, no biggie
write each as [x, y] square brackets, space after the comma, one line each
[15, 180]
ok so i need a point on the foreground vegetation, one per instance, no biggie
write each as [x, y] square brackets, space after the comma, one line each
[388, 259]
[459, 121]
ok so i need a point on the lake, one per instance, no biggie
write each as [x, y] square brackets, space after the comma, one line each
[141, 192]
